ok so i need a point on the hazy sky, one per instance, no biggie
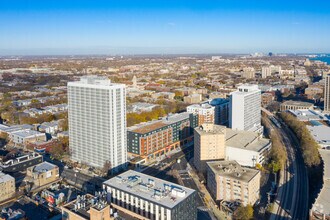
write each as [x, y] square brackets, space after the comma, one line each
[164, 26]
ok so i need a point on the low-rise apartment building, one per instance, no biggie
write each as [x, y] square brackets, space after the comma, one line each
[22, 138]
[145, 197]
[42, 174]
[193, 98]
[7, 186]
[227, 180]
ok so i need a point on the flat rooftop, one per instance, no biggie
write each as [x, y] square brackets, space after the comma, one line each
[231, 169]
[320, 134]
[201, 106]
[28, 133]
[298, 103]
[245, 89]
[92, 81]
[5, 177]
[150, 188]
[146, 127]
[245, 140]
[10, 129]
[82, 205]
[322, 203]
[210, 129]
[308, 115]
[44, 167]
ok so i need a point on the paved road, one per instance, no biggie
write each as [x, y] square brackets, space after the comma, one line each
[293, 189]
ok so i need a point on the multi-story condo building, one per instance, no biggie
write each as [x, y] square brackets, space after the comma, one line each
[295, 105]
[43, 174]
[155, 138]
[146, 197]
[287, 74]
[205, 112]
[246, 147]
[97, 122]
[266, 71]
[249, 72]
[7, 186]
[227, 180]
[269, 70]
[221, 111]
[245, 108]
[213, 111]
[327, 94]
[209, 144]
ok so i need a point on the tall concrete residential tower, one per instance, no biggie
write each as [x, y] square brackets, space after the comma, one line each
[97, 122]
[327, 94]
[245, 107]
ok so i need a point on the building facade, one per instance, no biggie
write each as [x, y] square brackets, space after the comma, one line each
[327, 94]
[266, 99]
[295, 105]
[246, 147]
[43, 174]
[97, 122]
[227, 180]
[7, 186]
[213, 111]
[155, 138]
[245, 108]
[249, 72]
[145, 197]
[209, 144]
[205, 112]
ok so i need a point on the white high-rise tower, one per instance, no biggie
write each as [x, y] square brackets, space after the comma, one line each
[97, 122]
[245, 108]
[327, 94]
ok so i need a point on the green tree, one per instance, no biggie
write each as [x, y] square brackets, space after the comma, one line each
[244, 212]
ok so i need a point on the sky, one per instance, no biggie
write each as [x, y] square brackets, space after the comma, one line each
[65, 27]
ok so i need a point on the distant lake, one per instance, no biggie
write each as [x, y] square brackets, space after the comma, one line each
[323, 58]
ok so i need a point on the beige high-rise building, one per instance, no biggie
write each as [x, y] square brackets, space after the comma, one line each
[209, 144]
[227, 180]
[327, 94]
[249, 72]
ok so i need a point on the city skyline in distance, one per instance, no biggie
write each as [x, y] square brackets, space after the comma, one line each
[162, 27]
